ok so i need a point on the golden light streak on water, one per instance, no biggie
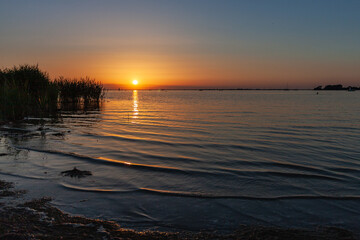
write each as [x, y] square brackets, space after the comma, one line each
[135, 105]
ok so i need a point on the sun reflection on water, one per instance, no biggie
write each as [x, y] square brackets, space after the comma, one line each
[135, 104]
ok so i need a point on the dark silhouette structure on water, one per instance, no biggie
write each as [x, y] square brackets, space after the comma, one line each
[336, 87]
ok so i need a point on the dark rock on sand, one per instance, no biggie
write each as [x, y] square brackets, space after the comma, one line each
[6, 189]
[58, 134]
[76, 173]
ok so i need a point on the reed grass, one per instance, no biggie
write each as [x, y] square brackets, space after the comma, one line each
[83, 90]
[26, 91]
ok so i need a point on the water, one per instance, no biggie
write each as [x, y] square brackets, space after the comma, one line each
[195, 160]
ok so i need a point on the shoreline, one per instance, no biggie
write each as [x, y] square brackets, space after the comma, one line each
[39, 219]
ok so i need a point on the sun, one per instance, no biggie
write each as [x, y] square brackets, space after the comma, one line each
[135, 82]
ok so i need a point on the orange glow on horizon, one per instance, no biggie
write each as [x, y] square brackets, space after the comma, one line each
[159, 72]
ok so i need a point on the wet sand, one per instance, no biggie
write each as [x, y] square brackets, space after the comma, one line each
[38, 219]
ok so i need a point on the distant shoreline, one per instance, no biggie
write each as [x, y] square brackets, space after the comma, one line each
[220, 89]
[336, 87]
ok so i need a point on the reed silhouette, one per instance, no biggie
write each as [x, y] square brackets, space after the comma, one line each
[27, 91]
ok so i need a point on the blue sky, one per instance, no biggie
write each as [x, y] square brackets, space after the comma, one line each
[229, 43]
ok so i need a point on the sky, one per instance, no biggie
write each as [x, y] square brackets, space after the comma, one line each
[187, 44]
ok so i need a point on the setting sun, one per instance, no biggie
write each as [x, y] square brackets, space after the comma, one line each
[135, 82]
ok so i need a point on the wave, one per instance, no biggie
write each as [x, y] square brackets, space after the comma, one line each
[22, 176]
[215, 172]
[351, 129]
[177, 144]
[303, 171]
[280, 197]
[209, 195]
[146, 141]
[104, 160]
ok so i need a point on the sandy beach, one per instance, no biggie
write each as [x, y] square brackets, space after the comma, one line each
[39, 219]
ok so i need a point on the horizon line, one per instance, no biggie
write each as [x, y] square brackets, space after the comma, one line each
[211, 89]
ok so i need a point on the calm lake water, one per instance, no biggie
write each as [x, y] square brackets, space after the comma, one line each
[193, 160]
